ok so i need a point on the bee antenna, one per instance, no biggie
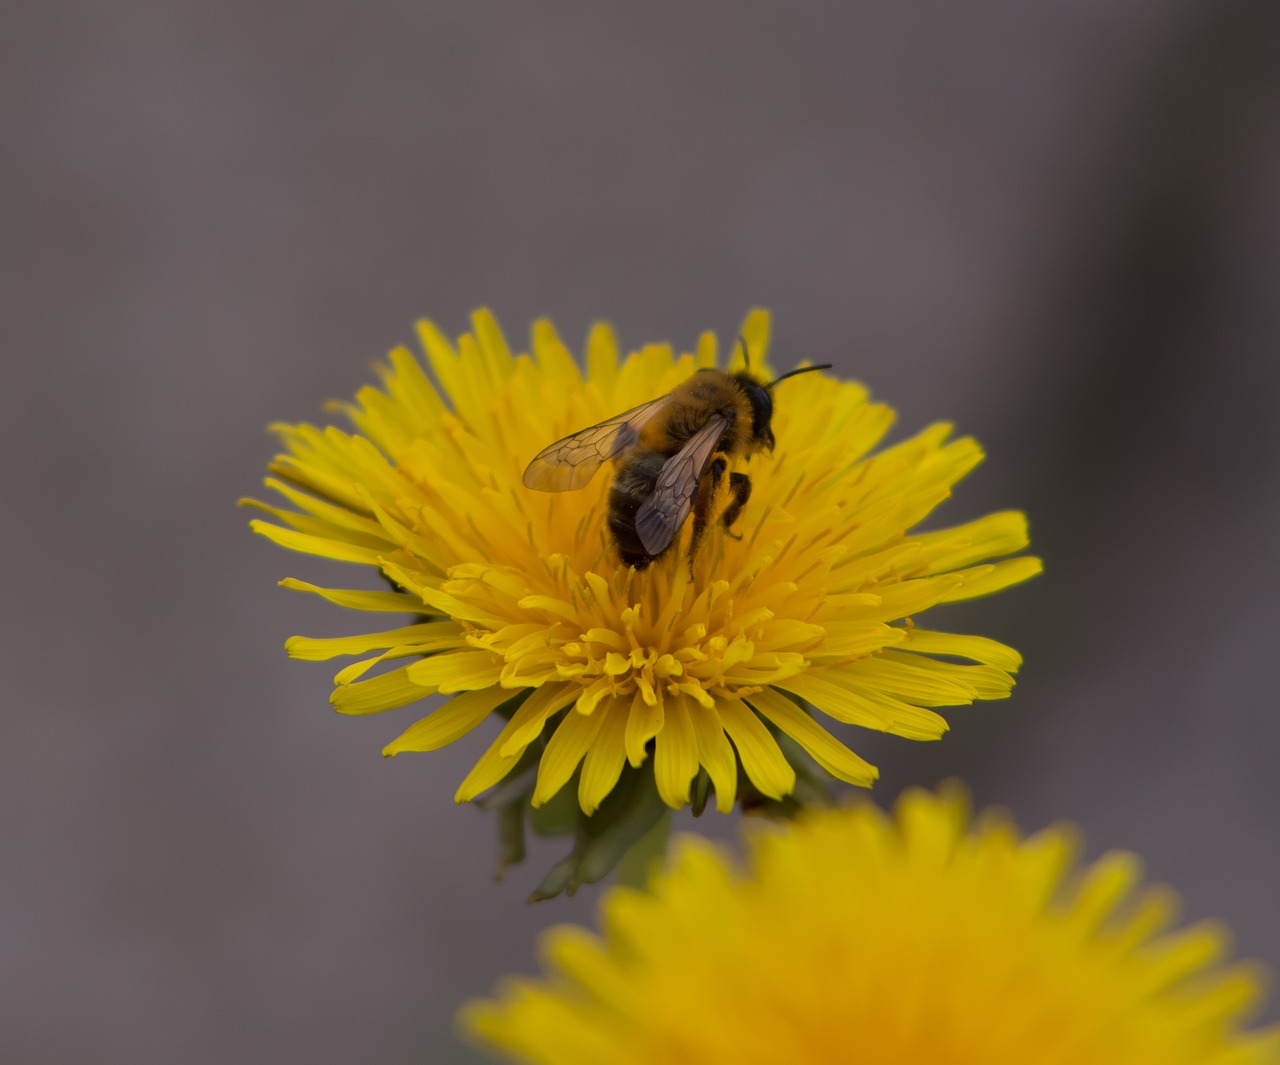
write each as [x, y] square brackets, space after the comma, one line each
[746, 351]
[792, 373]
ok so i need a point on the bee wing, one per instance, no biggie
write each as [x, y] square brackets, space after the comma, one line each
[661, 515]
[570, 463]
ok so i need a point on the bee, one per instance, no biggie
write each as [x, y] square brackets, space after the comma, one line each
[672, 455]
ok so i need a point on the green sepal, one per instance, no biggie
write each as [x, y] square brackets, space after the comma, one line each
[608, 838]
[558, 880]
[558, 816]
[510, 837]
[700, 792]
[511, 801]
[601, 841]
[637, 864]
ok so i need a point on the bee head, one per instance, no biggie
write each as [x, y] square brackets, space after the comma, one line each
[757, 393]
[760, 395]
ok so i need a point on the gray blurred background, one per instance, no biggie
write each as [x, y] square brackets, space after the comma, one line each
[1057, 224]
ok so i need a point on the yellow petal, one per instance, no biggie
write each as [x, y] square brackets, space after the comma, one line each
[755, 330]
[901, 676]
[602, 356]
[307, 544]
[716, 753]
[357, 599]
[605, 758]
[836, 695]
[384, 692]
[428, 636]
[492, 345]
[761, 757]
[564, 751]
[992, 536]
[984, 580]
[643, 723]
[553, 357]
[455, 671]
[983, 682]
[541, 704]
[675, 761]
[493, 764]
[976, 648]
[452, 721]
[824, 748]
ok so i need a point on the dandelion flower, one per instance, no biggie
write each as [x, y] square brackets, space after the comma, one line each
[855, 937]
[526, 614]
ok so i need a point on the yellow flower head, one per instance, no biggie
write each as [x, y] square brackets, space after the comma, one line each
[694, 666]
[854, 937]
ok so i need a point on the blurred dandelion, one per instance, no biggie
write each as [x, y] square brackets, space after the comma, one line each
[853, 936]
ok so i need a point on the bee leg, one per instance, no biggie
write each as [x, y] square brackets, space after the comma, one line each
[740, 491]
[703, 502]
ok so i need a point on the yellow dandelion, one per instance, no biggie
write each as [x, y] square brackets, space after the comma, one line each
[694, 666]
[855, 937]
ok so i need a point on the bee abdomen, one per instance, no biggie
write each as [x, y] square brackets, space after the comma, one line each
[632, 485]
